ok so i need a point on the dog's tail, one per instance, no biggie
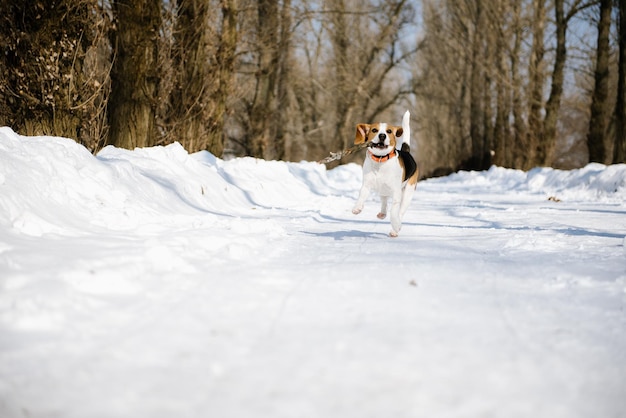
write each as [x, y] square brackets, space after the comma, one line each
[406, 131]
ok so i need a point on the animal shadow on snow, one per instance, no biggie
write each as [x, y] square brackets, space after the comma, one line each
[341, 235]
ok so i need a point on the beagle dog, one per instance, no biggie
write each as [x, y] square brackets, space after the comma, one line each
[388, 169]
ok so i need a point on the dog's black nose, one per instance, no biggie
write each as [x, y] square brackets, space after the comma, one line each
[381, 136]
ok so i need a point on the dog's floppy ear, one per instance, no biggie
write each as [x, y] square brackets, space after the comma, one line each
[397, 131]
[362, 129]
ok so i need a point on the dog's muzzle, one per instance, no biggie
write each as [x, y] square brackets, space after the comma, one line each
[380, 143]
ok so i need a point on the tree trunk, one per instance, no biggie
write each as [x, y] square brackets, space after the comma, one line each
[341, 66]
[45, 87]
[503, 102]
[135, 73]
[619, 149]
[263, 106]
[545, 146]
[477, 91]
[488, 125]
[536, 76]
[282, 91]
[600, 103]
[225, 61]
[515, 150]
[189, 97]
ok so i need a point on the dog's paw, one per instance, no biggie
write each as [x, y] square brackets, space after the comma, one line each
[393, 234]
[381, 215]
[356, 211]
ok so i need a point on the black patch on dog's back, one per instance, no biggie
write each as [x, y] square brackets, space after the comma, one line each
[410, 166]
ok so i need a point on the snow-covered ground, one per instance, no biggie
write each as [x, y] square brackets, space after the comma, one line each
[153, 283]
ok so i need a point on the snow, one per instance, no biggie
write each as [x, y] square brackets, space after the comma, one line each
[155, 283]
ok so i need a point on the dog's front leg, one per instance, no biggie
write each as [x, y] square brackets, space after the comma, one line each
[396, 222]
[383, 207]
[358, 206]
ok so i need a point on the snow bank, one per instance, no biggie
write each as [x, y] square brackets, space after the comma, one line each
[54, 185]
[593, 183]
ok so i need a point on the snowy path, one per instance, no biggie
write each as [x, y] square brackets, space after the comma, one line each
[250, 290]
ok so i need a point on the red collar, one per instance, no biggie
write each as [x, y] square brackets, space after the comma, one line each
[384, 157]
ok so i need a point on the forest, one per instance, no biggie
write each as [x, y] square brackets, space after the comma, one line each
[516, 83]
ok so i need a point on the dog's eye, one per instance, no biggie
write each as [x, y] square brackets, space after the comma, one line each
[374, 130]
[388, 131]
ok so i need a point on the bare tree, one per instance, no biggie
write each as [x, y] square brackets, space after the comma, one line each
[264, 70]
[504, 81]
[225, 69]
[261, 130]
[337, 64]
[52, 78]
[189, 111]
[619, 149]
[484, 80]
[514, 154]
[343, 62]
[283, 90]
[201, 63]
[544, 148]
[135, 75]
[310, 109]
[477, 85]
[442, 89]
[365, 52]
[203, 59]
[536, 83]
[600, 103]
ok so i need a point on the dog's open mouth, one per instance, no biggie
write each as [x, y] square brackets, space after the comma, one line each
[380, 145]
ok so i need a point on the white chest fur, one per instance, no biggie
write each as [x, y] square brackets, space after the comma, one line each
[383, 177]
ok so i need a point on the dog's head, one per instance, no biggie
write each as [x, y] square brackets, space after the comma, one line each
[380, 137]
